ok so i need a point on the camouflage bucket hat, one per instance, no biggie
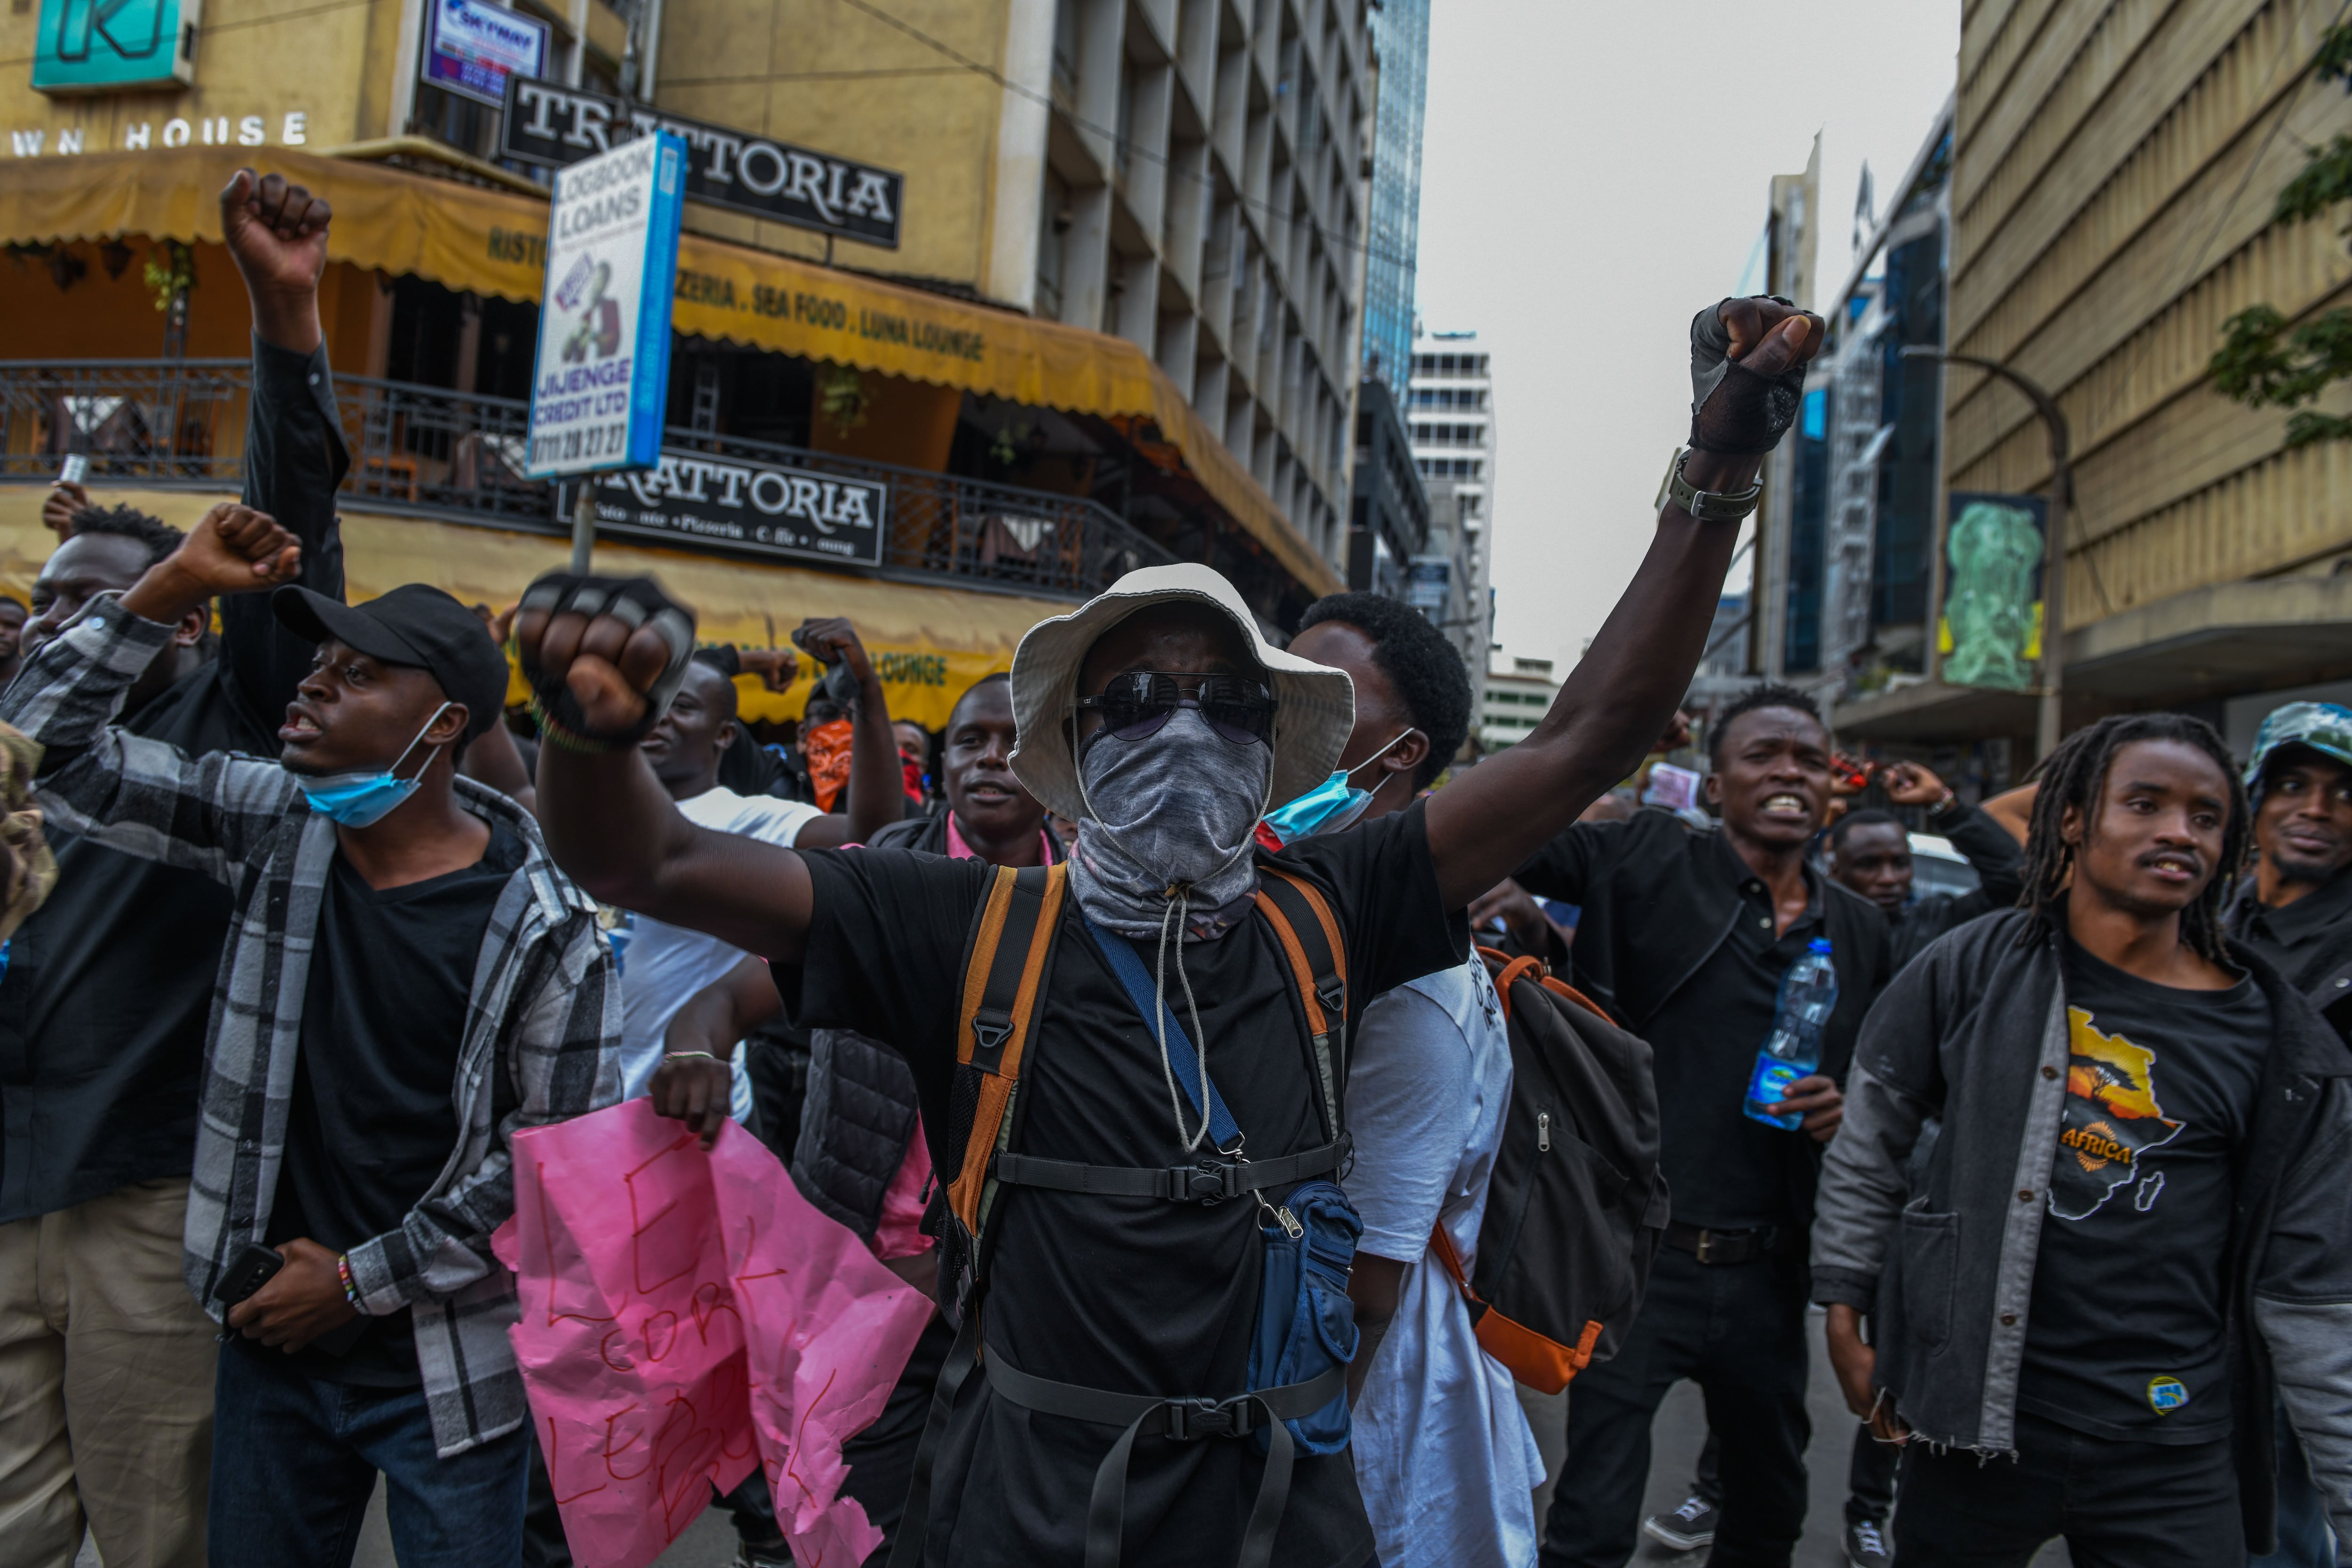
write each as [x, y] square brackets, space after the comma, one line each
[2322, 727]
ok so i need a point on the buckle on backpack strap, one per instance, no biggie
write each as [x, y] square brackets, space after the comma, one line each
[1332, 992]
[989, 1030]
[1210, 1182]
[1191, 1420]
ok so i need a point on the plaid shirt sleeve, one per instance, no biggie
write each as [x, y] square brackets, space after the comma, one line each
[558, 1034]
[209, 813]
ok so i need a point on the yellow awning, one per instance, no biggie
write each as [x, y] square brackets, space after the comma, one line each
[929, 644]
[492, 242]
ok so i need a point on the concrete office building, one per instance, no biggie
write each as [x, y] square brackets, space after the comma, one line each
[2113, 174]
[1451, 415]
[1512, 701]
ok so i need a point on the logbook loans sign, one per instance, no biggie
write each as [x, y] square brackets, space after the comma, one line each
[769, 508]
[554, 126]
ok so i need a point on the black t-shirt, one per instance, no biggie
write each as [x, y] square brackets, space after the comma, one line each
[2126, 1336]
[374, 1113]
[1135, 1295]
[1725, 1169]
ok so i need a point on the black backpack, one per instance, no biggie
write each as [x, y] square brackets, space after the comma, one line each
[1577, 1206]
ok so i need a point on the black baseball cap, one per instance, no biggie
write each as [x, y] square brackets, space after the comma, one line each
[415, 625]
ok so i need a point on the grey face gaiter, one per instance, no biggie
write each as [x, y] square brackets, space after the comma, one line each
[1175, 814]
[1167, 853]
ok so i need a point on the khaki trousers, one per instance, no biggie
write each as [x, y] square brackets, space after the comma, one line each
[106, 1385]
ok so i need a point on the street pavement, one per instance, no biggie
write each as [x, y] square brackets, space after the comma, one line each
[710, 1541]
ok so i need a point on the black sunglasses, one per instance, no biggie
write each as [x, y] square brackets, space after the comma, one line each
[1141, 701]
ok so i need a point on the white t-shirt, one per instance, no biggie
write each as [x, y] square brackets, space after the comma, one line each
[665, 966]
[1444, 1454]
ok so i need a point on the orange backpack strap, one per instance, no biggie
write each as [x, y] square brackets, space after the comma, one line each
[1310, 934]
[1541, 1363]
[1509, 971]
[1001, 978]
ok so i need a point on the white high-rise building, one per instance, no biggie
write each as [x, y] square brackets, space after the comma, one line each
[1451, 415]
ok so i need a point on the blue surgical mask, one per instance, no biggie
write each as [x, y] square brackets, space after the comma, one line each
[363, 799]
[1330, 806]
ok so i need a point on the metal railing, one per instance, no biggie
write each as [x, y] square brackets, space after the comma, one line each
[429, 452]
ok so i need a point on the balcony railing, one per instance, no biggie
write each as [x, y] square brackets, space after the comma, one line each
[428, 452]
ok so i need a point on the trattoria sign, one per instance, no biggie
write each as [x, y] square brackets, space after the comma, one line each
[693, 499]
[554, 126]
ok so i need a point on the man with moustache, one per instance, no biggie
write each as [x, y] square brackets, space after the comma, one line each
[2129, 1245]
[2295, 909]
[1685, 935]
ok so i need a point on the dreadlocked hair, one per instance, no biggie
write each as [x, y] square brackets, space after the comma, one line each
[2075, 774]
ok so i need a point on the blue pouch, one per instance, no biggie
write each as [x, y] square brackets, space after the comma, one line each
[1306, 1324]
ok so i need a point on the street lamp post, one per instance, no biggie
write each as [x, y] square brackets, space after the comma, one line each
[2048, 724]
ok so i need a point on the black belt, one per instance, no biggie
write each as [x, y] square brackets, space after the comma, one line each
[1208, 1182]
[1726, 1246]
[1184, 1420]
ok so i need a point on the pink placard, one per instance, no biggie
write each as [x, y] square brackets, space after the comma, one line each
[688, 1318]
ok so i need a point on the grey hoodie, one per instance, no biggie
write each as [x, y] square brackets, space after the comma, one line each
[1974, 1031]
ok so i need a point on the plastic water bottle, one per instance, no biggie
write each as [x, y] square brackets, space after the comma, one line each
[1794, 1049]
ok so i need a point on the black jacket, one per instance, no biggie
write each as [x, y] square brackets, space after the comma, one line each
[1658, 898]
[1998, 862]
[1975, 1033]
[109, 990]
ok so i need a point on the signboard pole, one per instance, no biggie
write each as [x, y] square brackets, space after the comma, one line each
[583, 527]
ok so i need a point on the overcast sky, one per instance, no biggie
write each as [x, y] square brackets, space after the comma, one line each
[1592, 174]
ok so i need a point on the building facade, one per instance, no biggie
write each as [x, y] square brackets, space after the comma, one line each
[1389, 526]
[1512, 701]
[2113, 172]
[1401, 39]
[1451, 415]
[1114, 316]
[1849, 532]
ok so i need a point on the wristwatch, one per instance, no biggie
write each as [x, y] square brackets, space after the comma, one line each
[1707, 506]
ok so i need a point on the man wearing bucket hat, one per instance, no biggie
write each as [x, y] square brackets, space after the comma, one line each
[2295, 908]
[1113, 1416]
[409, 979]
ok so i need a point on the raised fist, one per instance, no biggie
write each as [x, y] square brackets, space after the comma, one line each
[234, 550]
[1748, 372]
[1913, 783]
[832, 641]
[277, 235]
[604, 654]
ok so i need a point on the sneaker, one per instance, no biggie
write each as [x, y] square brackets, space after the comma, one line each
[1866, 1547]
[749, 1556]
[1686, 1528]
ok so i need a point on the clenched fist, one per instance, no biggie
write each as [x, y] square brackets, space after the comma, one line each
[276, 233]
[604, 654]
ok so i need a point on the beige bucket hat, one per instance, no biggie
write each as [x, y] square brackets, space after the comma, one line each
[1313, 712]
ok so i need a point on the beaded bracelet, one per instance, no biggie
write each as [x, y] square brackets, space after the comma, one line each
[571, 740]
[343, 1273]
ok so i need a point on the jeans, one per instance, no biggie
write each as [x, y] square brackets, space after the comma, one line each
[1738, 1332]
[1869, 1480]
[2119, 1504]
[2304, 1541]
[295, 1460]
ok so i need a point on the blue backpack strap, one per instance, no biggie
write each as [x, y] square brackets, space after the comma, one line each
[1182, 1062]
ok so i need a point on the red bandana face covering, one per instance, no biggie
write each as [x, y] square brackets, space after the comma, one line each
[827, 749]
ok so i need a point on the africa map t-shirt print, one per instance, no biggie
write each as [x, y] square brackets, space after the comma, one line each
[2112, 1120]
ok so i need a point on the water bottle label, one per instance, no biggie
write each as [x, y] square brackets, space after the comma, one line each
[1770, 1085]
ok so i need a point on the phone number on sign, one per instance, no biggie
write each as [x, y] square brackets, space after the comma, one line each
[570, 446]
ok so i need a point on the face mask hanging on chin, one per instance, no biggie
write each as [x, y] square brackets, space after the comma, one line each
[361, 799]
[1330, 805]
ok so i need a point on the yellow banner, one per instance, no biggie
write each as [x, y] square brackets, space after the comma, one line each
[928, 643]
[494, 242]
